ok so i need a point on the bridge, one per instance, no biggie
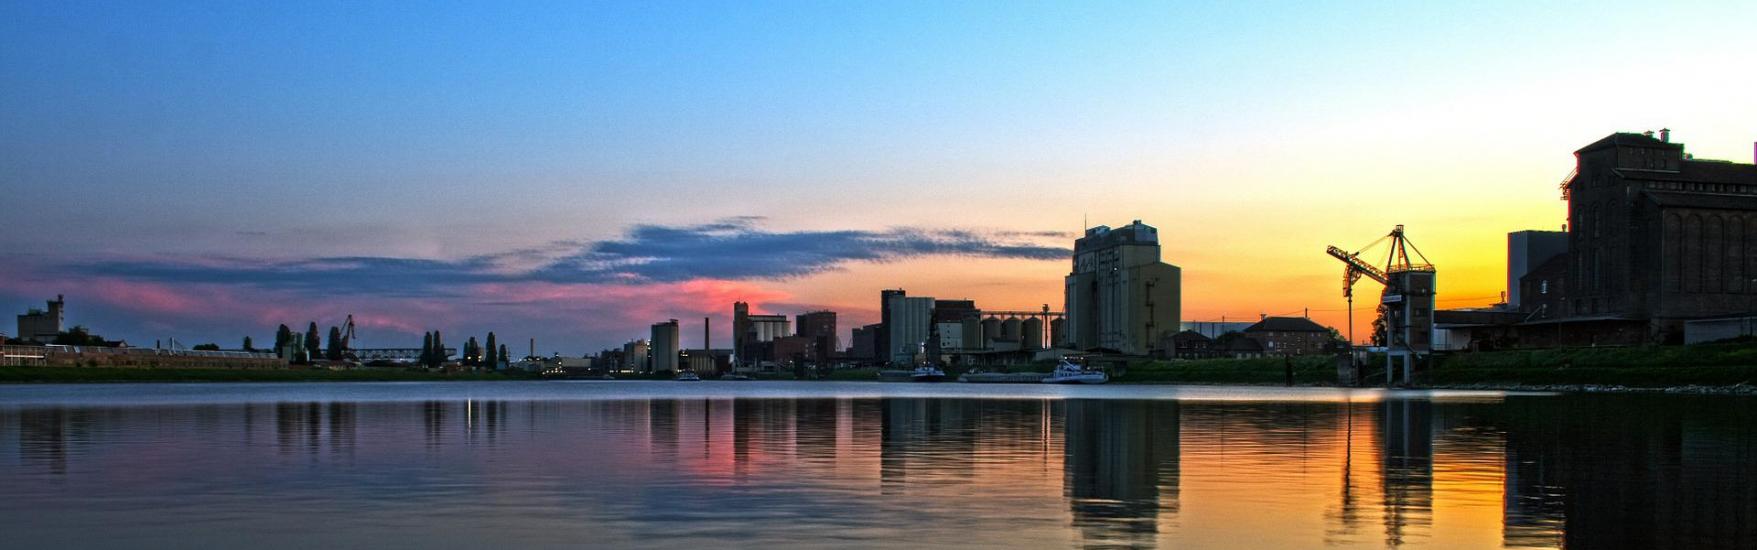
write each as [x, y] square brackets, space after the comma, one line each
[393, 354]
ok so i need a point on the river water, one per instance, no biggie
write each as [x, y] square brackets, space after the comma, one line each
[781, 464]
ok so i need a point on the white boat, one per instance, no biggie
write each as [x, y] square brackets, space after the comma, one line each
[927, 373]
[1069, 373]
[688, 376]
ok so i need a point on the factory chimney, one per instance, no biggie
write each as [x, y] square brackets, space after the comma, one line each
[708, 335]
[1665, 135]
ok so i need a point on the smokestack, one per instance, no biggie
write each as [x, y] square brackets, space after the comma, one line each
[1665, 135]
[707, 333]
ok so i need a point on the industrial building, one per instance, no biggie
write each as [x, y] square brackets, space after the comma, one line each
[1290, 336]
[907, 326]
[882, 340]
[42, 325]
[820, 328]
[1526, 252]
[750, 333]
[1188, 344]
[634, 356]
[666, 343]
[865, 347]
[1120, 297]
[1656, 238]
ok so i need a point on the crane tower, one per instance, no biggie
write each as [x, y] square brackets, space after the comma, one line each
[1407, 301]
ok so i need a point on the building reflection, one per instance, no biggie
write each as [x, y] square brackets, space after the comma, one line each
[341, 427]
[484, 421]
[1408, 459]
[662, 419]
[1356, 422]
[43, 438]
[1121, 459]
[1629, 471]
[926, 442]
[1571, 471]
[816, 425]
[433, 419]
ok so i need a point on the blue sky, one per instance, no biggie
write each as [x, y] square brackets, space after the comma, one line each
[196, 134]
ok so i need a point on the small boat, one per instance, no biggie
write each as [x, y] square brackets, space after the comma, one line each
[734, 376]
[688, 376]
[927, 373]
[1069, 373]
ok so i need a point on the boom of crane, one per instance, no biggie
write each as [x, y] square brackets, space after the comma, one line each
[348, 338]
[1354, 269]
[1398, 260]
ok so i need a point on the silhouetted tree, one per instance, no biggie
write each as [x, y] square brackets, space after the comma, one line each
[313, 346]
[334, 344]
[78, 336]
[439, 354]
[492, 357]
[1336, 343]
[283, 336]
[1379, 328]
[502, 356]
[247, 344]
[206, 347]
[1226, 339]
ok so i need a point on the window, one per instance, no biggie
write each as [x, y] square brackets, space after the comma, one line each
[1543, 287]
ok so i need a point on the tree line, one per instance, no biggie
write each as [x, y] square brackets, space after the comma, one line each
[433, 351]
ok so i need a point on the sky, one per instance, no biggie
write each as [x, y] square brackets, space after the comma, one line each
[574, 172]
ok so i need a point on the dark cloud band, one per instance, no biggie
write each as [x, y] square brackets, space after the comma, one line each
[733, 249]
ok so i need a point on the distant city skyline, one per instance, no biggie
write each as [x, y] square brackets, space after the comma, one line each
[577, 173]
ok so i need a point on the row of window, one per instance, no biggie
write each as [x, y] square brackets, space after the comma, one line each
[1703, 187]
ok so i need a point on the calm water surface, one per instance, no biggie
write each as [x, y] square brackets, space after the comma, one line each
[666, 464]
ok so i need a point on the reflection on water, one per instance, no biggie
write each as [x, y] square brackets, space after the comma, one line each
[1538, 471]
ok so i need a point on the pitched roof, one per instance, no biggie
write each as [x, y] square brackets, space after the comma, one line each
[1629, 139]
[1242, 345]
[1286, 324]
[1190, 336]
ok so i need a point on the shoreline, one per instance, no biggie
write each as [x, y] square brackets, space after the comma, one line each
[12, 376]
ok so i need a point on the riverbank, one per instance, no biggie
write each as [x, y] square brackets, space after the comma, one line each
[1699, 369]
[63, 375]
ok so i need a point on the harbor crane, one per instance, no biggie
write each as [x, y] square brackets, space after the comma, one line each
[348, 339]
[1408, 298]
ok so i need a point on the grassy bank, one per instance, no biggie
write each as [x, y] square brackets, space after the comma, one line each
[100, 374]
[1643, 367]
[1638, 367]
[1312, 370]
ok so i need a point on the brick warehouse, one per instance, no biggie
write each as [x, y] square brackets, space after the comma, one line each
[1655, 238]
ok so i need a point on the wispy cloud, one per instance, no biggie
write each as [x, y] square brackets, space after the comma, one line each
[730, 249]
